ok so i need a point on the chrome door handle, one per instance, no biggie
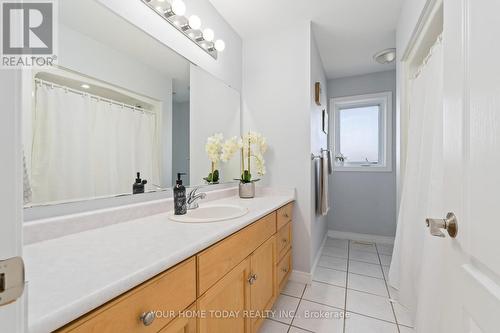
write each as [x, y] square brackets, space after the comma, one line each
[450, 224]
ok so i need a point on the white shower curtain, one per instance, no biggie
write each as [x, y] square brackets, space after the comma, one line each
[84, 147]
[417, 260]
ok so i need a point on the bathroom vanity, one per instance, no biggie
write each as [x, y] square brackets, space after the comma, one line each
[155, 275]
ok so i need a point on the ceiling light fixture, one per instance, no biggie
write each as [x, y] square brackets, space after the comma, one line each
[85, 86]
[173, 12]
[385, 56]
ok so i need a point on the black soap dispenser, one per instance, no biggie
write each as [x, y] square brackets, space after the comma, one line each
[179, 196]
[138, 186]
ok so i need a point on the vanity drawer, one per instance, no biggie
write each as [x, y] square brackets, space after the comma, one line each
[284, 240]
[219, 259]
[284, 269]
[173, 290]
[284, 215]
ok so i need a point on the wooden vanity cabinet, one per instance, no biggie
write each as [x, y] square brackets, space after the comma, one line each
[263, 289]
[225, 289]
[231, 294]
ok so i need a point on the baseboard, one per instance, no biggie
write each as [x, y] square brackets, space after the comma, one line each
[360, 237]
[301, 277]
[318, 255]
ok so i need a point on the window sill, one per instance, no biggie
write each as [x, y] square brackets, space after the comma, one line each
[363, 169]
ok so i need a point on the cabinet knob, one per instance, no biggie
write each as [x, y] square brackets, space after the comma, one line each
[252, 279]
[284, 270]
[284, 240]
[147, 318]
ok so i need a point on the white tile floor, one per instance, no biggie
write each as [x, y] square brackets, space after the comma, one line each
[349, 282]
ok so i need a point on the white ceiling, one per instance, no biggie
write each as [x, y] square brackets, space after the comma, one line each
[348, 32]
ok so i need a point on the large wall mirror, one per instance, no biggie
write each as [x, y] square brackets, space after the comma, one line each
[118, 103]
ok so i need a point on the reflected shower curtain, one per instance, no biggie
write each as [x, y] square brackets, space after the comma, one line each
[417, 260]
[84, 147]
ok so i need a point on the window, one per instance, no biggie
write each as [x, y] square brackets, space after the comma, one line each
[362, 132]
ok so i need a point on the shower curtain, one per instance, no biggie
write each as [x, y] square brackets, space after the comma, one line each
[417, 260]
[85, 147]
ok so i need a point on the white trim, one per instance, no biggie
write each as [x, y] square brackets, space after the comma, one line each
[12, 316]
[301, 277]
[360, 237]
[384, 99]
[318, 255]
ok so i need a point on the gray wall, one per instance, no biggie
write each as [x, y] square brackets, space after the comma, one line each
[319, 140]
[364, 202]
[180, 134]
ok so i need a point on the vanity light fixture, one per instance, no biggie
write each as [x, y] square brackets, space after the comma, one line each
[173, 12]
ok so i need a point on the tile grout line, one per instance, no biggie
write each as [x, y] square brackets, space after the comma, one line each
[357, 290]
[346, 284]
[297, 309]
[388, 292]
[357, 260]
[370, 276]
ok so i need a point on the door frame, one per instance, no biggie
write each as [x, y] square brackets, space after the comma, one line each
[13, 315]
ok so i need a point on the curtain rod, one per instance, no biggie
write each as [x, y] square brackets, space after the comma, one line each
[99, 98]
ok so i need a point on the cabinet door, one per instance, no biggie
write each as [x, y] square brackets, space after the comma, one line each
[183, 324]
[263, 288]
[225, 304]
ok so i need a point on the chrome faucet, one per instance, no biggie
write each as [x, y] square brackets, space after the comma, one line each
[192, 197]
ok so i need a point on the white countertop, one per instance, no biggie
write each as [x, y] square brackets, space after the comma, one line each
[71, 275]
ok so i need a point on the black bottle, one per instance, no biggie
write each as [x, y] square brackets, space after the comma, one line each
[138, 186]
[179, 196]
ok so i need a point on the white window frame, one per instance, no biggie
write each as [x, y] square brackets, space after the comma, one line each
[384, 101]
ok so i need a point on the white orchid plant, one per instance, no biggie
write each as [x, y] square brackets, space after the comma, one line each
[252, 146]
[213, 148]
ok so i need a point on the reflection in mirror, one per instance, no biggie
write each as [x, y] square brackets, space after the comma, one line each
[114, 117]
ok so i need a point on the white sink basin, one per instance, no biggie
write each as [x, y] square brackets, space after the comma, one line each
[210, 213]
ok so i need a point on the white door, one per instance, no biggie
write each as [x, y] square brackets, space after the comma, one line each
[11, 196]
[472, 164]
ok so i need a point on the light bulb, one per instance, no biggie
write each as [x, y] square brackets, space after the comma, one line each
[208, 35]
[390, 57]
[194, 22]
[178, 7]
[85, 86]
[219, 45]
